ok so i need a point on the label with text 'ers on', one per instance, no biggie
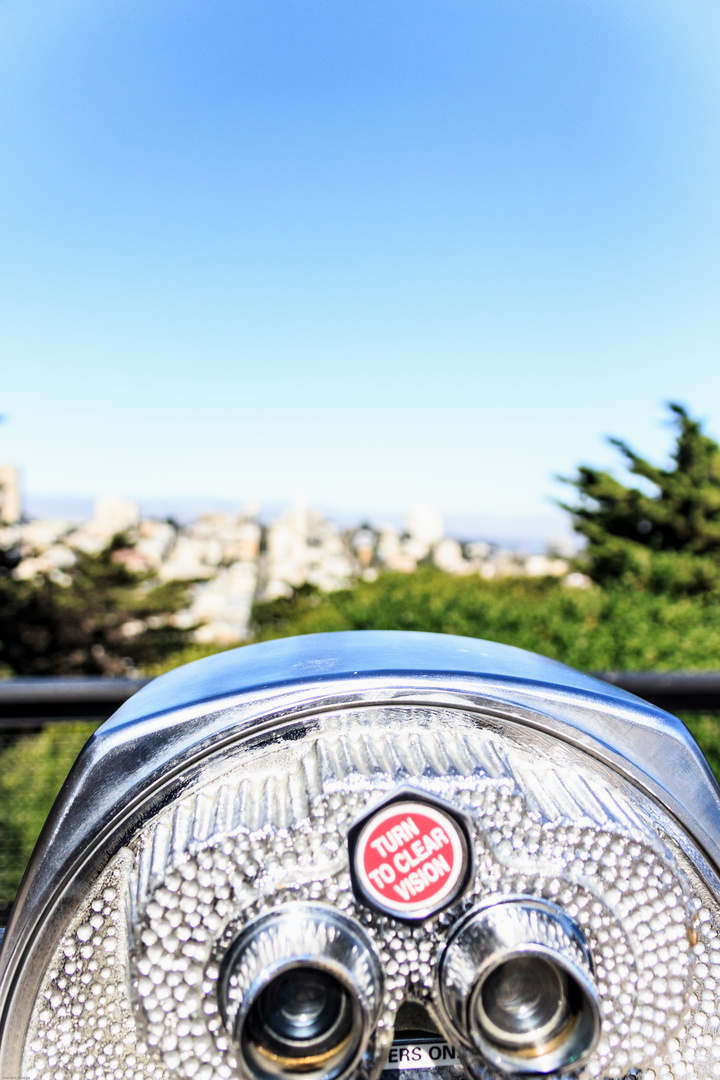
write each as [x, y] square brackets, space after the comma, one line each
[410, 858]
[423, 1054]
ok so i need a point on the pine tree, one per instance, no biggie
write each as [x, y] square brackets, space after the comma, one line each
[667, 540]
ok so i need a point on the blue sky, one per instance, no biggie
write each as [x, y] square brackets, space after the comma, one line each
[373, 253]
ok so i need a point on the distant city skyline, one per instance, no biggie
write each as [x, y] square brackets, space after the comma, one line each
[231, 560]
[531, 533]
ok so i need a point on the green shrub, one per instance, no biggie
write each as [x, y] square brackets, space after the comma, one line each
[591, 629]
[75, 623]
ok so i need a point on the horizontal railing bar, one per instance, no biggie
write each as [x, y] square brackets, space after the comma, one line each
[68, 688]
[671, 690]
[45, 699]
[40, 700]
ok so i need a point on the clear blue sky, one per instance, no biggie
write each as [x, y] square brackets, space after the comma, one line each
[372, 251]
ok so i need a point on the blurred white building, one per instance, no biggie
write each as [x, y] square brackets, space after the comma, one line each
[211, 542]
[425, 525]
[155, 540]
[10, 498]
[223, 605]
[448, 556]
[302, 546]
[113, 515]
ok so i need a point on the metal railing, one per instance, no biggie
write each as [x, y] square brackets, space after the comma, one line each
[35, 702]
[676, 691]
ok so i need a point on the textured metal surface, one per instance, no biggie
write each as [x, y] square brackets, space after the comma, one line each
[227, 788]
[180, 716]
[268, 828]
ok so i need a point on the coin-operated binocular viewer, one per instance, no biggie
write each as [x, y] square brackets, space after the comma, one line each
[323, 857]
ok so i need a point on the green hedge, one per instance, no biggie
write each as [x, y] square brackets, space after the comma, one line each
[591, 629]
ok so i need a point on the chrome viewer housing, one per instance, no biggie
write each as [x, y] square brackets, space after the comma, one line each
[267, 860]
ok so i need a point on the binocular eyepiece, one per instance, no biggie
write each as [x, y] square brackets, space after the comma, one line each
[517, 982]
[323, 857]
[306, 1020]
[301, 990]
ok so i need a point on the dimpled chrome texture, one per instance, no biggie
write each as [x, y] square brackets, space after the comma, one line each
[226, 790]
[272, 832]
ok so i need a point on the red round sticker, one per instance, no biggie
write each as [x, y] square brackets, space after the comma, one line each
[410, 858]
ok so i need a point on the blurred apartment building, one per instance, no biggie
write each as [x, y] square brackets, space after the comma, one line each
[10, 501]
[232, 560]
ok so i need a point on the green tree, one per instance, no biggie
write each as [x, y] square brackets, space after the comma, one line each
[98, 618]
[667, 539]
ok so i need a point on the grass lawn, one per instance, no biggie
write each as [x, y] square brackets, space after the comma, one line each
[32, 770]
